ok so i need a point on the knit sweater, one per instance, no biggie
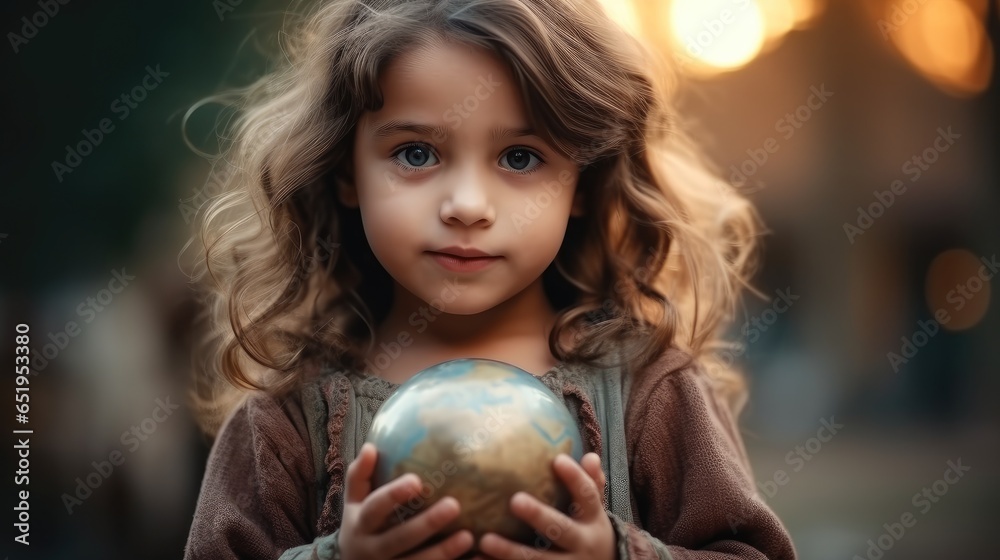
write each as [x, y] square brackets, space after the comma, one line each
[274, 483]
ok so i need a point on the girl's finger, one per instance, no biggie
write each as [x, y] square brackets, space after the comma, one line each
[452, 547]
[422, 527]
[592, 464]
[357, 481]
[388, 500]
[588, 501]
[499, 548]
[547, 521]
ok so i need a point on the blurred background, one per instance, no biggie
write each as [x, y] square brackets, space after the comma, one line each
[866, 132]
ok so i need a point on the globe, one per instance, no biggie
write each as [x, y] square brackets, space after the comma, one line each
[477, 430]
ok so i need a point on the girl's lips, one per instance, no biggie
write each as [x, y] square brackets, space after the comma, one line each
[462, 264]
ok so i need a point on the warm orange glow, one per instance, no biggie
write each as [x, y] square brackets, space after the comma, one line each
[806, 11]
[716, 35]
[957, 289]
[944, 40]
[707, 37]
[623, 12]
[779, 17]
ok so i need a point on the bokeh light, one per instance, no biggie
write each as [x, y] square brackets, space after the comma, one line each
[806, 11]
[624, 13]
[944, 40]
[955, 286]
[717, 34]
[779, 18]
[712, 37]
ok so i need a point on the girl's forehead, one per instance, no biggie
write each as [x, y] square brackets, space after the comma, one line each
[459, 92]
[442, 65]
[448, 86]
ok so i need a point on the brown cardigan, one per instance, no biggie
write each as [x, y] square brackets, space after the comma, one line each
[693, 495]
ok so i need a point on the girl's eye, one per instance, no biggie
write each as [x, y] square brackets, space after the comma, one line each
[414, 156]
[419, 156]
[519, 161]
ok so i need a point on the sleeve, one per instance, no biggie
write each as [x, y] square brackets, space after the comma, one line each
[692, 483]
[256, 499]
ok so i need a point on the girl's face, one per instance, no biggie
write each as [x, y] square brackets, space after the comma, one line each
[449, 163]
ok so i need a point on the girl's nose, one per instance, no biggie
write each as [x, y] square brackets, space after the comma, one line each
[468, 201]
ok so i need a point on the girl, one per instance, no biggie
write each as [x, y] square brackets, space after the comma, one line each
[426, 180]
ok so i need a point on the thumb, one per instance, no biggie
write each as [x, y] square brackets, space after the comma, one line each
[358, 483]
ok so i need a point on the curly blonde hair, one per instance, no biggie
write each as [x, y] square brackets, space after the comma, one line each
[659, 259]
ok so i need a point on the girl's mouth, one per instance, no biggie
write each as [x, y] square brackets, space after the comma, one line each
[462, 264]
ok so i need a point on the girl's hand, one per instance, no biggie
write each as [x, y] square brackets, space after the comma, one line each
[587, 535]
[367, 532]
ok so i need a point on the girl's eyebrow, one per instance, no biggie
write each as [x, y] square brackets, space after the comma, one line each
[396, 126]
[499, 133]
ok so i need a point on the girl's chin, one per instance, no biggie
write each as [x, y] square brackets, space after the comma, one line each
[463, 301]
